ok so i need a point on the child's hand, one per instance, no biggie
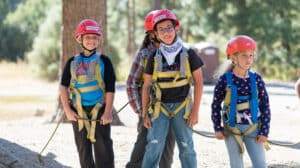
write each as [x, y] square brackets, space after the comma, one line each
[219, 135]
[261, 139]
[106, 118]
[147, 122]
[193, 119]
[71, 115]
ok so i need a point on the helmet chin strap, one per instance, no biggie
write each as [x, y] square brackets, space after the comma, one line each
[94, 49]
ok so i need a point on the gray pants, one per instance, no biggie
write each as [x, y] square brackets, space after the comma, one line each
[139, 148]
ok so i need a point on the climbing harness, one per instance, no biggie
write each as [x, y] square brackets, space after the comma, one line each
[87, 88]
[39, 155]
[231, 106]
[179, 78]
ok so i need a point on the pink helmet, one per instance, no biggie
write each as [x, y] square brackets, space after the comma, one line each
[164, 14]
[240, 43]
[148, 22]
[88, 26]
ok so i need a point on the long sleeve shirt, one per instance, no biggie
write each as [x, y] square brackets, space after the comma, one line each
[135, 79]
[243, 89]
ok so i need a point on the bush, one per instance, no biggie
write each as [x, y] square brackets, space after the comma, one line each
[45, 55]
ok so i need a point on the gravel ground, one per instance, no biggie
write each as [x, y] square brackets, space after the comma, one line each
[22, 139]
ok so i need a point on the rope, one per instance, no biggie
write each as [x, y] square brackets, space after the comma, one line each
[39, 155]
[273, 142]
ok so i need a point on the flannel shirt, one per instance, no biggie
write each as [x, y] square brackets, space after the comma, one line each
[134, 80]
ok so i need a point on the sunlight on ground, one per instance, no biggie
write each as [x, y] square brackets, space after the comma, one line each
[23, 95]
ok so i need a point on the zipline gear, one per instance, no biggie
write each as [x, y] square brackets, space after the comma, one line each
[231, 107]
[160, 81]
[62, 118]
[240, 43]
[88, 26]
[272, 142]
[148, 22]
[87, 88]
[165, 14]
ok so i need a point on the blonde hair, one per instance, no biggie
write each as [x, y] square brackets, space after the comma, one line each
[224, 67]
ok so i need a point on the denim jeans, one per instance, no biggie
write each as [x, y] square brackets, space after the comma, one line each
[255, 150]
[157, 135]
[139, 148]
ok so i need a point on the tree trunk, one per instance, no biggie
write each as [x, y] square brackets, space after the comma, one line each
[131, 47]
[73, 12]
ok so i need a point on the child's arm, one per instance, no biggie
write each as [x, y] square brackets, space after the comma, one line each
[198, 89]
[64, 94]
[106, 118]
[145, 100]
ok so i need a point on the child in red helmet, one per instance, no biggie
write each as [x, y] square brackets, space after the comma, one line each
[166, 95]
[87, 93]
[134, 84]
[245, 110]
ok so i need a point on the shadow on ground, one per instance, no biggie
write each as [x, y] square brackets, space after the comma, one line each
[13, 155]
[291, 165]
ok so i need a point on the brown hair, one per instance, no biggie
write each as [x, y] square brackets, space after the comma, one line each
[146, 41]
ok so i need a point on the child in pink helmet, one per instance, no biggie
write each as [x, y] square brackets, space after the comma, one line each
[241, 96]
[134, 84]
[166, 95]
[87, 92]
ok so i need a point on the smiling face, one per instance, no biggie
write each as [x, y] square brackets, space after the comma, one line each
[166, 32]
[90, 41]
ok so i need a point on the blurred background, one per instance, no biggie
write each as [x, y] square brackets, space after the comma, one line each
[31, 31]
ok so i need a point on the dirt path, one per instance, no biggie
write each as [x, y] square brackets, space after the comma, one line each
[22, 139]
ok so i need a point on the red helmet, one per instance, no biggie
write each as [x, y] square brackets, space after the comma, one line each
[88, 26]
[240, 43]
[164, 14]
[148, 22]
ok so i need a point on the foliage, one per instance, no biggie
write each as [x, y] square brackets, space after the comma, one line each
[11, 40]
[3, 9]
[273, 24]
[47, 45]
[21, 27]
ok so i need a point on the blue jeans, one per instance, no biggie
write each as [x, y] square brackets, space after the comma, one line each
[157, 135]
[255, 150]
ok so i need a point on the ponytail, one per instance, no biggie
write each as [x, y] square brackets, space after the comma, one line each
[223, 68]
[146, 41]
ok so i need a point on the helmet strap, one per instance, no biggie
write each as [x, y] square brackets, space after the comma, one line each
[82, 46]
[237, 63]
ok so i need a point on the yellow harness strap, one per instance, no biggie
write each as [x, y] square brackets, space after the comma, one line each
[185, 104]
[240, 106]
[90, 128]
[237, 134]
[180, 78]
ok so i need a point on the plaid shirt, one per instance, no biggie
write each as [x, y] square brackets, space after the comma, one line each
[134, 80]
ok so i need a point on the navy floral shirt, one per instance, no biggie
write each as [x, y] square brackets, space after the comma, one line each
[243, 89]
